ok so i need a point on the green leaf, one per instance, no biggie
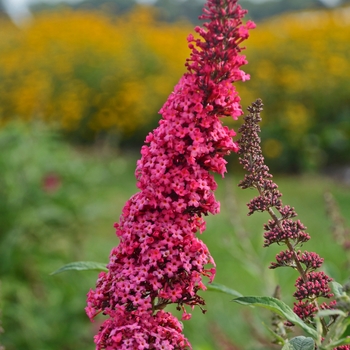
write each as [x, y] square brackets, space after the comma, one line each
[337, 289]
[276, 336]
[337, 330]
[339, 342]
[288, 346]
[302, 343]
[299, 343]
[324, 313]
[280, 308]
[216, 287]
[80, 266]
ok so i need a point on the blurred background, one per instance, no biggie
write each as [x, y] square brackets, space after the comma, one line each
[81, 84]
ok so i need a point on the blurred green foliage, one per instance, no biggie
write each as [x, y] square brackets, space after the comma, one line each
[45, 210]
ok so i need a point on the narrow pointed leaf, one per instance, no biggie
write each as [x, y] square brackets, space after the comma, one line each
[81, 266]
[280, 308]
[339, 342]
[324, 313]
[216, 287]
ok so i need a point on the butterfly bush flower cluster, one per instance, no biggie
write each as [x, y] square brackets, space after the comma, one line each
[159, 259]
[283, 229]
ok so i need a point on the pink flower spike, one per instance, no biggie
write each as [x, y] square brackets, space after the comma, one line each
[159, 259]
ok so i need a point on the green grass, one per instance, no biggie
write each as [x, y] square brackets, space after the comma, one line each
[235, 241]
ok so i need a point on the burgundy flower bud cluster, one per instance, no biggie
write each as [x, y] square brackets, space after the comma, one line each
[311, 261]
[280, 231]
[282, 228]
[159, 259]
[316, 285]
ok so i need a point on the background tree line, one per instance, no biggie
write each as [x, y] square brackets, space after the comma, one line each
[173, 10]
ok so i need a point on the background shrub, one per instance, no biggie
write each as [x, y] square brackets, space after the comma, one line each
[47, 202]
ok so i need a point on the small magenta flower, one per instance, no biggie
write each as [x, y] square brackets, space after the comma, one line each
[159, 259]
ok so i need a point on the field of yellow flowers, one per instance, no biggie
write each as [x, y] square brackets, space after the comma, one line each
[90, 74]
